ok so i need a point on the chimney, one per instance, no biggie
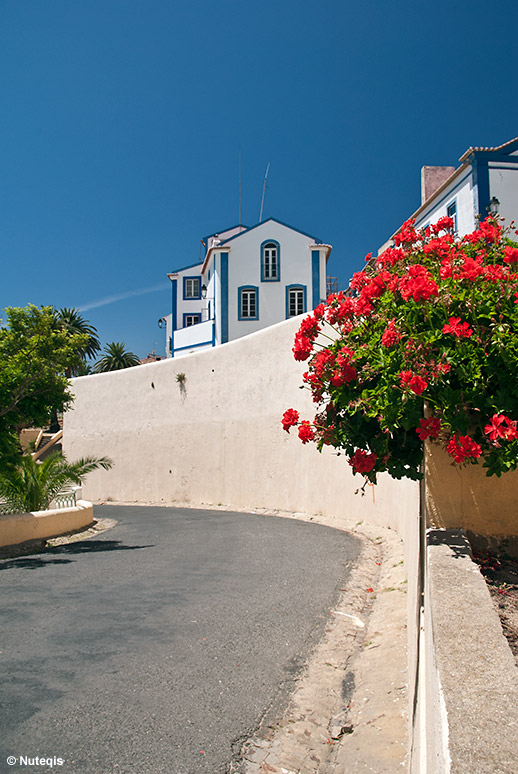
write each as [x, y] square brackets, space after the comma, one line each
[431, 180]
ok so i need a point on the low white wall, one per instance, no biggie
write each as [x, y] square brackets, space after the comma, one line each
[38, 525]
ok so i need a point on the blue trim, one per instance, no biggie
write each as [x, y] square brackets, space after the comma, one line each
[224, 297]
[315, 277]
[451, 212]
[191, 314]
[174, 304]
[184, 268]
[295, 287]
[481, 182]
[192, 298]
[193, 346]
[497, 166]
[273, 220]
[277, 245]
[213, 334]
[490, 157]
[239, 297]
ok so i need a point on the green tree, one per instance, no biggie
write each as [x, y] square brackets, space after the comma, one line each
[33, 485]
[35, 356]
[116, 357]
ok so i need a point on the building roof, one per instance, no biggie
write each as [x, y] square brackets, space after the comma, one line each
[275, 220]
[225, 242]
[488, 149]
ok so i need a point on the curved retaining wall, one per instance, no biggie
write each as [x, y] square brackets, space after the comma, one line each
[216, 436]
[20, 527]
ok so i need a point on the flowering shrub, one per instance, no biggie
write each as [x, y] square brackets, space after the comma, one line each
[423, 346]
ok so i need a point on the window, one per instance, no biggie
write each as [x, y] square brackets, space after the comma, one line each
[295, 300]
[191, 319]
[451, 211]
[248, 304]
[191, 287]
[270, 261]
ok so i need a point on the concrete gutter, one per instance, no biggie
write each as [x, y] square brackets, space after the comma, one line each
[472, 682]
[20, 527]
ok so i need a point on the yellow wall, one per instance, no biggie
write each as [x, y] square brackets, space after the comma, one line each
[467, 498]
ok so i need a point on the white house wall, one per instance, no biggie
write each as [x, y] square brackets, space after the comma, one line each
[503, 183]
[187, 306]
[245, 270]
[459, 191]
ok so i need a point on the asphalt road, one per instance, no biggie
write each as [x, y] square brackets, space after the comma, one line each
[159, 645]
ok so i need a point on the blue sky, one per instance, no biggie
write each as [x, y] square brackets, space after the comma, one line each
[122, 123]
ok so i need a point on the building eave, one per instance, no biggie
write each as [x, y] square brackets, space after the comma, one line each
[215, 248]
[487, 149]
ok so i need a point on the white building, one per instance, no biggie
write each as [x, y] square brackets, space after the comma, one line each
[250, 278]
[487, 176]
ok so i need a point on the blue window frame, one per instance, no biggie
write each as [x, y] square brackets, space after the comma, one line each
[248, 303]
[191, 319]
[270, 261]
[192, 288]
[451, 211]
[295, 300]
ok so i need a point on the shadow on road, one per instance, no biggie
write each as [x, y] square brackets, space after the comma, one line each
[80, 547]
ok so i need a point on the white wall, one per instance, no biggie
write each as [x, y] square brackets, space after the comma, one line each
[460, 191]
[220, 439]
[245, 269]
[503, 183]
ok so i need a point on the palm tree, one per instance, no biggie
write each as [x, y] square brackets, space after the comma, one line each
[33, 485]
[116, 357]
[71, 321]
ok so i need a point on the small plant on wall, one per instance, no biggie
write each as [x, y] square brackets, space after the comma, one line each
[181, 379]
[424, 346]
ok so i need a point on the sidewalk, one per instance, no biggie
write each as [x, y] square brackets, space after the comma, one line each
[349, 711]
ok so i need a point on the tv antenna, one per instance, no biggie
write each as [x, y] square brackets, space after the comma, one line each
[239, 184]
[264, 189]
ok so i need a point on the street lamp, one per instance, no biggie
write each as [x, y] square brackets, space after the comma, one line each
[204, 291]
[493, 206]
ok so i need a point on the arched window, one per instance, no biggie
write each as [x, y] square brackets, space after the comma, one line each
[270, 261]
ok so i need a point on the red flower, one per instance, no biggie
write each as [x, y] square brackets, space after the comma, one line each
[417, 284]
[501, 427]
[361, 462]
[416, 383]
[289, 419]
[306, 432]
[429, 428]
[309, 327]
[322, 359]
[494, 273]
[342, 376]
[443, 224]
[510, 254]
[471, 268]
[455, 327]
[302, 348]
[390, 256]
[462, 447]
[407, 235]
[390, 335]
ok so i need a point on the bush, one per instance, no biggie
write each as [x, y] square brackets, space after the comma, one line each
[423, 345]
